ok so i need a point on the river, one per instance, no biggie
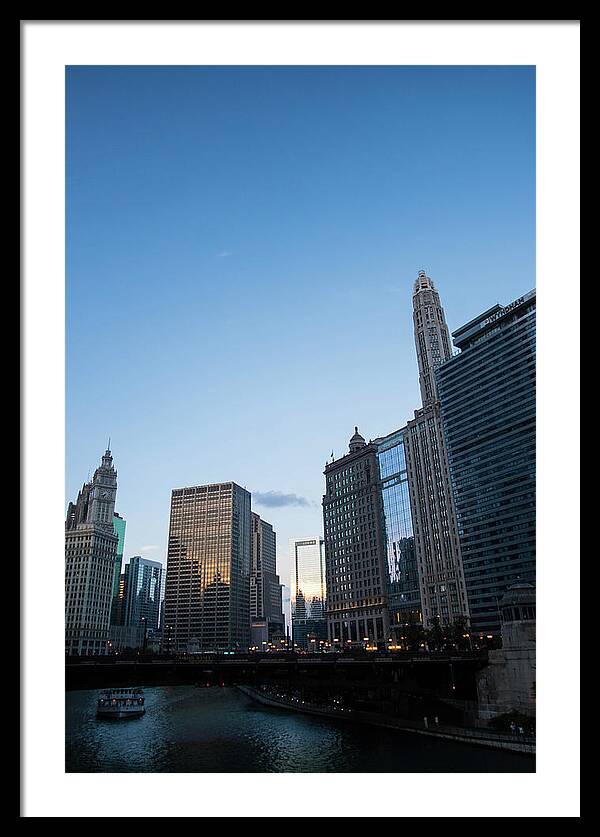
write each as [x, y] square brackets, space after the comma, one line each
[220, 730]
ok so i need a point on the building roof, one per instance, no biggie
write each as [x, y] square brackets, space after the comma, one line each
[357, 441]
[520, 593]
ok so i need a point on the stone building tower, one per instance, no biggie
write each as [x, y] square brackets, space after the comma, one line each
[90, 558]
[103, 494]
[432, 339]
[439, 561]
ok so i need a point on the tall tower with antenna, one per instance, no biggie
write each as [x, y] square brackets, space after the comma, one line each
[103, 493]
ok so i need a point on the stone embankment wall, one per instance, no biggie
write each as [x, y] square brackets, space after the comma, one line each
[484, 738]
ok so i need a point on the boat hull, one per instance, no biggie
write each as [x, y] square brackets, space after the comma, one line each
[117, 714]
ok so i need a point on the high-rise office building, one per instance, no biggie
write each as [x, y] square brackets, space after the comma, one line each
[487, 395]
[140, 598]
[143, 592]
[404, 597]
[116, 613]
[207, 594]
[90, 556]
[308, 593]
[431, 335]
[118, 608]
[266, 610]
[354, 528]
[438, 554]
[286, 598]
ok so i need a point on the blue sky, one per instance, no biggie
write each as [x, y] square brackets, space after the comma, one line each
[241, 248]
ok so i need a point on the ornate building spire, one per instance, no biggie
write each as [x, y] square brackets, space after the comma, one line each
[357, 441]
[432, 339]
[103, 493]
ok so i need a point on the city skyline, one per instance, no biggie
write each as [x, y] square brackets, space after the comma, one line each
[372, 589]
[274, 500]
[222, 223]
[282, 292]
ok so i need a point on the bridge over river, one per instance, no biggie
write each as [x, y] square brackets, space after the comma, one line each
[409, 684]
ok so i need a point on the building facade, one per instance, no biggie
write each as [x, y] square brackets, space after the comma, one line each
[308, 593]
[143, 592]
[487, 396]
[286, 597]
[354, 529]
[207, 593]
[437, 545]
[116, 613]
[266, 607]
[90, 558]
[127, 638]
[404, 596]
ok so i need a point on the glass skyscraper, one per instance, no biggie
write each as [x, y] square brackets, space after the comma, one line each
[207, 597]
[487, 395]
[266, 608]
[308, 592]
[404, 598]
[143, 592]
[116, 613]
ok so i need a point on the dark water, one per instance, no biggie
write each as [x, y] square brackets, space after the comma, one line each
[220, 730]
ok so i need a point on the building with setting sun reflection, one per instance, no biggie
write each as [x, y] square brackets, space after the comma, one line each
[308, 592]
[207, 593]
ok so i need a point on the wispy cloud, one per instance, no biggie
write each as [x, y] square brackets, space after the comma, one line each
[223, 254]
[152, 547]
[277, 498]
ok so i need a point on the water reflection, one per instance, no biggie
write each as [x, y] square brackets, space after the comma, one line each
[220, 730]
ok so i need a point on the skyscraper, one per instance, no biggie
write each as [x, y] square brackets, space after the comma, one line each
[357, 581]
[116, 613]
[431, 335]
[487, 395]
[143, 592]
[287, 607]
[90, 556]
[266, 612]
[404, 597]
[439, 562]
[308, 592]
[207, 595]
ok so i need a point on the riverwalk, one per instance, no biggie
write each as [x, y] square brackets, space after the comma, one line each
[469, 735]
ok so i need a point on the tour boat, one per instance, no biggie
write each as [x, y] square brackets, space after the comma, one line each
[121, 703]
